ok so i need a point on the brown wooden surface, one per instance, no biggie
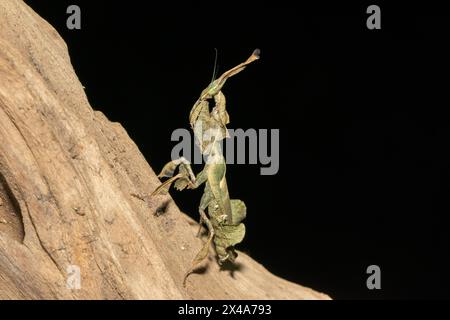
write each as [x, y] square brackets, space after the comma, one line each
[73, 191]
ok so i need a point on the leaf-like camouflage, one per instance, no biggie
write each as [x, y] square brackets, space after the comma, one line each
[228, 235]
[224, 215]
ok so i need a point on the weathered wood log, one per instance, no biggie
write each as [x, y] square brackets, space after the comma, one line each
[73, 191]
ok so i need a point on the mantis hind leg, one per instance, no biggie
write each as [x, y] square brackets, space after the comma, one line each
[200, 227]
[203, 253]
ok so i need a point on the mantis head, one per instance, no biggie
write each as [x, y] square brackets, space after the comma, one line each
[213, 88]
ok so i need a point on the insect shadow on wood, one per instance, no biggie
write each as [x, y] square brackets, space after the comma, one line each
[231, 267]
[162, 208]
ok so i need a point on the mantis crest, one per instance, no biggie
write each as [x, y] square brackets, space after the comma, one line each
[221, 215]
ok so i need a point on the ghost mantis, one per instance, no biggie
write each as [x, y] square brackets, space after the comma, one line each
[221, 215]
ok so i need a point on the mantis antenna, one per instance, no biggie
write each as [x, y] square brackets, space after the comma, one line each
[215, 67]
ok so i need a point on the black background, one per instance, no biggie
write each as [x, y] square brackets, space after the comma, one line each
[363, 118]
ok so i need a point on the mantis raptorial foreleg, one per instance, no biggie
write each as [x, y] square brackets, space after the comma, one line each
[185, 177]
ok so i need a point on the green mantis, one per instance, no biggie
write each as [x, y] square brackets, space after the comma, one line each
[221, 215]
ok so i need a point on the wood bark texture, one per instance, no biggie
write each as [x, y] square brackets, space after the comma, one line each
[74, 191]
